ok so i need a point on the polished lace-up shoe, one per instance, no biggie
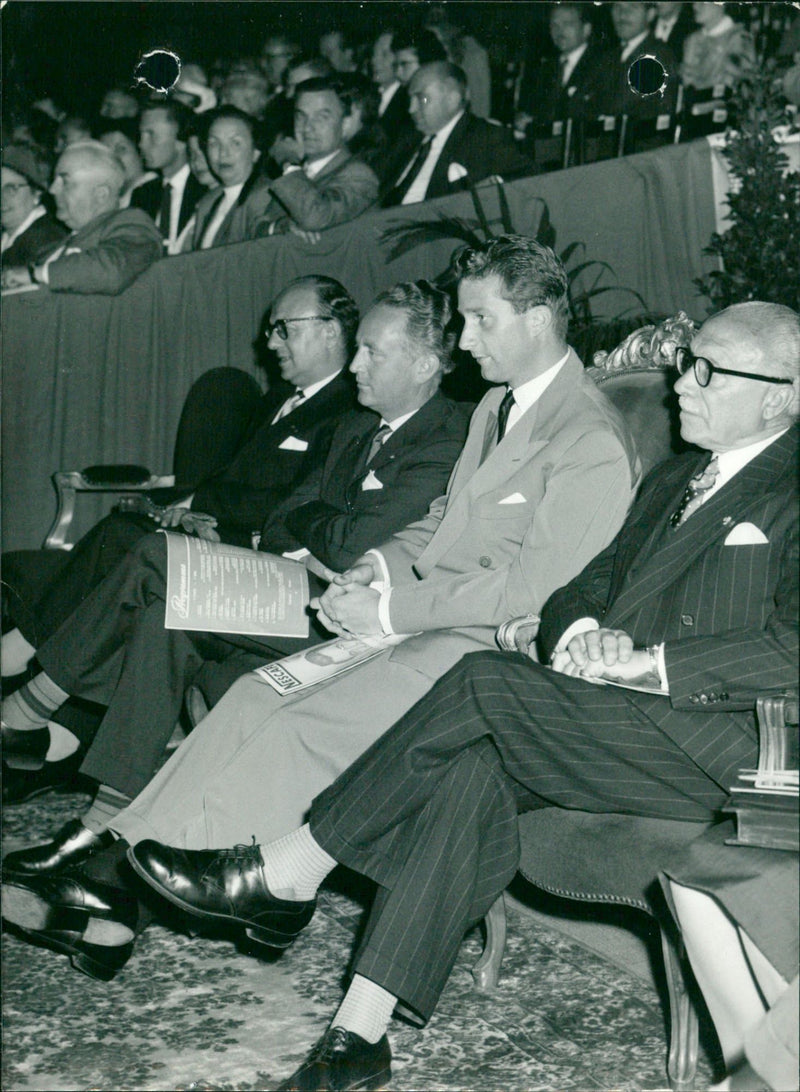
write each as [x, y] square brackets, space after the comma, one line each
[71, 845]
[25, 750]
[20, 786]
[342, 1060]
[91, 922]
[222, 884]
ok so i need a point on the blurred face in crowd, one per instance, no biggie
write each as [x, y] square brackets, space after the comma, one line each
[406, 63]
[248, 92]
[118, 104]
[80, 190]
[71, 131]
[333, 49]
[18, 199]
[305, 356]
[126, 152]
[434, 101]
[384, 364]
[383, 61]
[567, 29]
[494, 333]
[294, 76]
[230, 151]
[731, 411]
[275, 56]
[708, 15]
[630, 18]
[198, 164]
[158, 142]
[318, 121]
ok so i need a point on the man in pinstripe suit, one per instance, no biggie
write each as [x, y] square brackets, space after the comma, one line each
[696, 599]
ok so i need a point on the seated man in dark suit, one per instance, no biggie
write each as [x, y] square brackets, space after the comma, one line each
[386, 463]
[289, 436]
[691, 611]
[171, 198]
[393, 107]
[109, 247]
[456, 147]
[566, 85]
[673, 24]
[641, 72]
[29, 231]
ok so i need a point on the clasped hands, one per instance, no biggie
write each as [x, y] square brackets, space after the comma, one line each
[349, 606]
[605, 654]
[191, 523]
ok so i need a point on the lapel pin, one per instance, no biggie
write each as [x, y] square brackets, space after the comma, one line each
[726, 520]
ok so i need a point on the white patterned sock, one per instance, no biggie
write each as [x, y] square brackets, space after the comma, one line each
[296, 865]
[366, 1009]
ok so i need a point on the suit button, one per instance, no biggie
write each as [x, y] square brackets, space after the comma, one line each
[723, 696]
[687, 620]
[693, 698]
[704, 699]
[485, 562]
[712, 696]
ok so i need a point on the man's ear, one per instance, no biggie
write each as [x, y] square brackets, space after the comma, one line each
[426, 365]
[778, 400]
[538, 319]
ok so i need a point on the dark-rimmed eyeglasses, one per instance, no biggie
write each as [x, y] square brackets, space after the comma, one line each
[280, 326]
[704, 369]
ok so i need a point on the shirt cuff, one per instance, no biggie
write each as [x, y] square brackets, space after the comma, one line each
[384, 580]
[662, 667]
[296, 555]
[292, 167]
[42, 274]
[582, 625]
[383, 612]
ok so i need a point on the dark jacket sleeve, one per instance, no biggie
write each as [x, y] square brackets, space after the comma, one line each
[127, 246]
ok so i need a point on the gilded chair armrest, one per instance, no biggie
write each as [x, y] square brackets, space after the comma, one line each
[68, 483]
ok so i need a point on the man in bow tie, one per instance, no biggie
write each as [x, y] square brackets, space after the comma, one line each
[700, 610]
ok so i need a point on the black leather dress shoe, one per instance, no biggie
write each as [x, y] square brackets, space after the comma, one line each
[72, 844]
[92, 923]
[25, 750]
[223, 884]
[22, 785]
[342, 1060]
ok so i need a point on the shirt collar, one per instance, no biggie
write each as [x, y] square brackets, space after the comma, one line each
[387, 95]
[440, 138]
[398, 421]
[633, 44]
[312, 169]
[35, 214]
[313, 388]
[528, 393]
[571, 59]
[731, 462]
[180, 178]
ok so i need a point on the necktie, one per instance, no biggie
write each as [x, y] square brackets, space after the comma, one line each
[291, 403]
[695, 492]
[563, 61]
[503, 412]
[165, 215]
[378, 440]
[402, 187]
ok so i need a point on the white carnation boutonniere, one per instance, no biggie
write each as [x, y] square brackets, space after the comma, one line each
[455, 172]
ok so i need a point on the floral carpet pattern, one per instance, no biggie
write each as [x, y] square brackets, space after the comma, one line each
[206, 1013]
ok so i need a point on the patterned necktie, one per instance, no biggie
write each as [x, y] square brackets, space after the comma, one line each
[402, 187]
[503, 412]
[695, 492]
[291, 403]
[165, 215]
[378, 440]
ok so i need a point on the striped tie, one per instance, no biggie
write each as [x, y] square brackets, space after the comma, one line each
[695, 492]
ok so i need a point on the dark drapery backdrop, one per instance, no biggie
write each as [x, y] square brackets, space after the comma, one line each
[98, 379]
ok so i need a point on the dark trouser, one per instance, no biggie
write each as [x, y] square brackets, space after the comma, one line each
[114, 650]
[429, 812]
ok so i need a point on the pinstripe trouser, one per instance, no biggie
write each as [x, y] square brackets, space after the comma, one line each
[430, 811]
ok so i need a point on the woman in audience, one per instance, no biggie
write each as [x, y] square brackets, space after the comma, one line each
[231, 211]
[28, 228]
[717, 54]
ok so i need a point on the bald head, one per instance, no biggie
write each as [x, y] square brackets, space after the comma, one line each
[437, 93]
[87, 183]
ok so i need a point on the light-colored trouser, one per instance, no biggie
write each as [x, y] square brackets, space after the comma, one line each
[255, 763]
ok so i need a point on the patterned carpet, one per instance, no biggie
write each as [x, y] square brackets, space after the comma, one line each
[203, 1013]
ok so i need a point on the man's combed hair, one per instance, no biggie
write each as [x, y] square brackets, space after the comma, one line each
[180, 114]
[101, 161]
[428, 317]
[531, 274]
[334, 302]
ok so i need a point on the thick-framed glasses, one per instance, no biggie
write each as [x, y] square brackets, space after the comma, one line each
[281, 328]
[704, 369]
[13, 188]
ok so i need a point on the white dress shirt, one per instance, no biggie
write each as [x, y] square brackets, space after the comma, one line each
[177, 185]
[419, 187]
[387, 95]
[229, 198]
[569, 61]
[633, 45]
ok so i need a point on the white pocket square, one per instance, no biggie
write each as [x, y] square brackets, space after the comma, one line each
[745, 534]
[513, 498]
[455, 172]
[293, 443]
[371, 482]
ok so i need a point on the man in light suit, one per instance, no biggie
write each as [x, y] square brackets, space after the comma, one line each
[456, 148]
[696, 601]
[109, 247]
[543, 484]
[322, 184]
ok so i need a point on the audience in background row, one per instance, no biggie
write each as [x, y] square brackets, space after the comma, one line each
[404, 112]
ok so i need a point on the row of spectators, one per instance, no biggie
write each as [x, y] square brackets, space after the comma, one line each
[301, 141]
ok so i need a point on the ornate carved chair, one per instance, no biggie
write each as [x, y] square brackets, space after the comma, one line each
[616, 858]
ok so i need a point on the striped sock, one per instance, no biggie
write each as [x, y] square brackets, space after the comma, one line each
[296, 865]
[32, 706]
[106, 805]
[366, 1009]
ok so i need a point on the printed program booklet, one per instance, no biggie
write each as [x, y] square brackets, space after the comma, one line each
[325, 661]
[217, 588]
